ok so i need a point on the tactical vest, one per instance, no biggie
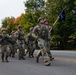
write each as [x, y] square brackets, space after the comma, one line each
[13, 39]
[5, 39]
[30, 37]
[44, 32]
[20, 35]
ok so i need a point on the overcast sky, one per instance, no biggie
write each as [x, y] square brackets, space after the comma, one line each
[10, 8]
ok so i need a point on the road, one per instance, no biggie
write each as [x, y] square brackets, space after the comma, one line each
[63, 64]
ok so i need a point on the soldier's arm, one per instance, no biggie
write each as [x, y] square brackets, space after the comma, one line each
[1, 38]
[34, 36]
[36, 31]
[27, 38]
[16, 34]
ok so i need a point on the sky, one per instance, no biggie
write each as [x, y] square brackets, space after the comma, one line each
[10, 8]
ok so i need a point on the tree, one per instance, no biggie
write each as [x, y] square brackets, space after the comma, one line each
[34, 10]
[64, 29]
[8, 23]
[4, 22]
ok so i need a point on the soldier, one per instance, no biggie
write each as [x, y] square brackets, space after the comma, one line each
[13, 44]
[42, 32]
[4, 40]
[21, 42]
[31, 38]
[48, 41]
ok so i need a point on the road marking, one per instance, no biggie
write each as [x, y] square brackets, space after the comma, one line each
[65, 59]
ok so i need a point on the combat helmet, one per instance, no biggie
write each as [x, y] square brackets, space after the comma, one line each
[19, 26]
[3, 29]
[41, 18]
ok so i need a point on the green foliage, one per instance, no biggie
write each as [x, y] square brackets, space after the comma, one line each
[8, 23]
[4, 22]
[64, 29]
[64, 34]
[34, 10]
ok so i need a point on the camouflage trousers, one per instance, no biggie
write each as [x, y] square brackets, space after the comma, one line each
[13, 50]
[48, 48]
[31, 48]
[5, 52]
[43, 49]
[21, 47]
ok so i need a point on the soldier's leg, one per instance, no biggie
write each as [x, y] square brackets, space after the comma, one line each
[19, 55]
[2, 53]
[50, 55]
[37, 57]
[39, 53]
[10, 52]
[41, 44]
[6, 56]
[13, 54]
[2, 56]
[22, 52]
[7, 53]
[48, 51]
[13, 51]
[45, 54]
[28, 50]
[32, 53]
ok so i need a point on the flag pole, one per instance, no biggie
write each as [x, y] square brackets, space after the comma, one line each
[56, 21]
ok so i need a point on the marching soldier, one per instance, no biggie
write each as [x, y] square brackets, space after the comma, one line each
[4, 40]
[42, 32]
[13, 45]
[31, 38]
[48, 41]
[21, 42]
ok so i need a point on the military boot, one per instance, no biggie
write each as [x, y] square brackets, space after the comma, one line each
[46, 63]
[51, 58]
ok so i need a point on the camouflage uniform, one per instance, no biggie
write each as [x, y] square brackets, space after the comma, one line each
[48, 42]
[20, 42]
[31, 38]
[4, 40]
[13, 45]
[42, 32]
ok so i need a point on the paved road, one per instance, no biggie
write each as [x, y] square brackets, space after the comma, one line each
[64, 64]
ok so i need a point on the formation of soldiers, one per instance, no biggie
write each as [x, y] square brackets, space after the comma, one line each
[39, 35]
